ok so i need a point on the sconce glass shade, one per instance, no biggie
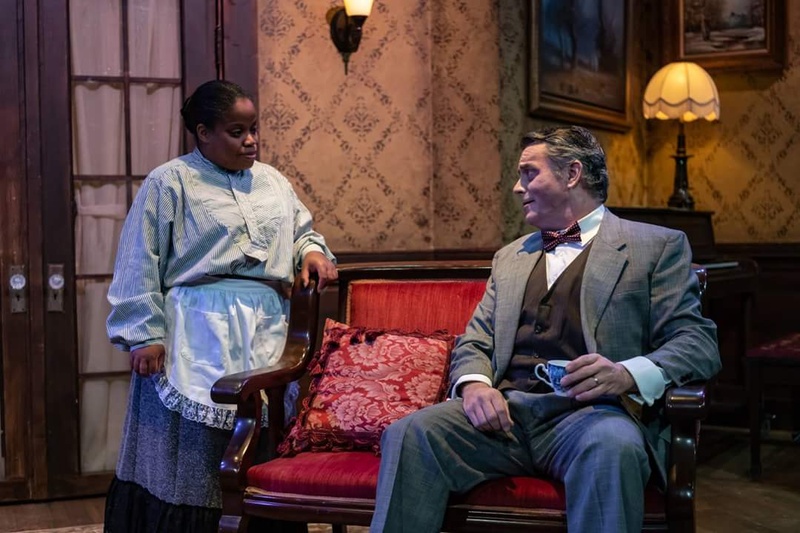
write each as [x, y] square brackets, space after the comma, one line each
[682, 91]
[355, 8]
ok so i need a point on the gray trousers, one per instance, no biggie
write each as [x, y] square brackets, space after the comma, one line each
[598, 451]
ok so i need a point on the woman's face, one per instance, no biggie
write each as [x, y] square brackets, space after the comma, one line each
[233, 142]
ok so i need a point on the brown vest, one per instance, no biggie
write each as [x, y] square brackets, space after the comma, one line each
[549, 325]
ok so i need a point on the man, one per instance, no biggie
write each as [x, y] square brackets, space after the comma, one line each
[617, 298]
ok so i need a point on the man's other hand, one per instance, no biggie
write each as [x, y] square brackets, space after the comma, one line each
[485, 407]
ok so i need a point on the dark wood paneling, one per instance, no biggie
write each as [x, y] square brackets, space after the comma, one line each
[57, 242]
[14, 341]
[198, 20]
[412, 256]
[778, 295]
[240, 44]
[33, 152]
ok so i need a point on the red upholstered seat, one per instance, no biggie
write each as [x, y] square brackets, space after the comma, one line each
[338, 474]
[355, 475]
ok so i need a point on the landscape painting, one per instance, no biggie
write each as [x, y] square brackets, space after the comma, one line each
[579, 59]
[722, 26]
[727, 34]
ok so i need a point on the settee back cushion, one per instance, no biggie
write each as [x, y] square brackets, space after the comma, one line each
[414, 305]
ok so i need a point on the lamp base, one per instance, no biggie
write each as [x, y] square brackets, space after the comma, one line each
[681, 197]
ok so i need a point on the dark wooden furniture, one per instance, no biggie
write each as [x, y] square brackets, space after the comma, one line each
[339, 487]
[773, 364]
[729, 301]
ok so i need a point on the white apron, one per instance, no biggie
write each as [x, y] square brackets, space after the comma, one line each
[215, 329]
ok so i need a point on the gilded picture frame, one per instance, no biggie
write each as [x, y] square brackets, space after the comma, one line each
[727, 35]
[580, 61]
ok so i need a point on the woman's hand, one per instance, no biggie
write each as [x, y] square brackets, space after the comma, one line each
[148, 360]
[325, 269]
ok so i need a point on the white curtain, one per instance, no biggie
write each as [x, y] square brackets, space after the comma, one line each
[99, 149]
[95, 37]
[101, 210]
[154, 38]
[98, 129]
[155, 126]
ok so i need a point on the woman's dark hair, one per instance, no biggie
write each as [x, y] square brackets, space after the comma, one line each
[569, 143]
[209, 102]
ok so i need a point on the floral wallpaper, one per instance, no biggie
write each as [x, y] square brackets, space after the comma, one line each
[416, 148]
[400, 153]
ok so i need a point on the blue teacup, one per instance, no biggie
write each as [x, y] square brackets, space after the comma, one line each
[551, 373]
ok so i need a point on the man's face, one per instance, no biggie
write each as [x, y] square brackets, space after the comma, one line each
[543, 191]
[233, 143]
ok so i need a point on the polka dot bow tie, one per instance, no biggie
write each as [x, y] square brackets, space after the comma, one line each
[551, 239]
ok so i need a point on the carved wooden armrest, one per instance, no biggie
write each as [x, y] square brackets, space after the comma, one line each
[685, 407]
[244, 390]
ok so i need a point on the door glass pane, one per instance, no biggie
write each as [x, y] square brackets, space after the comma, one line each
[103, 404]
[95, 353]
[98, 129]
[154, 38]
[103, 399]
[155, 128]
[101, 208]
[95, 37]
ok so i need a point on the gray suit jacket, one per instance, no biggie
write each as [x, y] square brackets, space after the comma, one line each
[639, 296]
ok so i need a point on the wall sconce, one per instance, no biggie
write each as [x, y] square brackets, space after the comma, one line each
[686, 92]
[346, 23]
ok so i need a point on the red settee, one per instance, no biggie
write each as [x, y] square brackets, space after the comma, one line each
[339, 487]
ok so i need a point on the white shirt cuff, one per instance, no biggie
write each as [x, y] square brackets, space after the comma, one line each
[466, 378]
[650, 379]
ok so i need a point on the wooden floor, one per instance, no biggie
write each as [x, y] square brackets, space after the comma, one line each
[727, 501]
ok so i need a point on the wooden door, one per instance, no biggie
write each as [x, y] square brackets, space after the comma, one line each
[20, 311]
[81, 108]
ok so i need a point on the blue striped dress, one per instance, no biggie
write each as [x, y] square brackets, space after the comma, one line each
[190, 220]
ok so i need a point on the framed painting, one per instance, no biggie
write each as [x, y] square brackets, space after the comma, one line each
[580, 62]
[727, 34]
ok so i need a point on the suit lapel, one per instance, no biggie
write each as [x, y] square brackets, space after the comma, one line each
[511, 284]
[603, 269]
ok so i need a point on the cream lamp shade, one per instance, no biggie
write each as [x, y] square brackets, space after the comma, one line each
[358, 7]
[682, 91]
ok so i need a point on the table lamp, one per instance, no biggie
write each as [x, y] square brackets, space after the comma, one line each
[686, 92]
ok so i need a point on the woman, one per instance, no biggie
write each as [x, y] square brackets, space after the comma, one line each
[210, 243]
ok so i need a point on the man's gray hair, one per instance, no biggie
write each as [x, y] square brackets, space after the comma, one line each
[566, 144]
